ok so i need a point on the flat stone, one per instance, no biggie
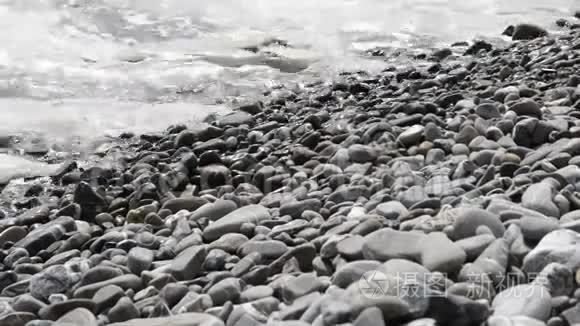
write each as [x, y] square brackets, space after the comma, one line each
[186, 203]
[229, 243]
[539, 196]
[188, 264]
[528, 300]
[295, 209]
[38, 214]
[411, 136]
[128, 281]
[235, 119]
[229, 289]
[498, 206]
[371, 316]
[232, 222]
[45, 235]
[123, 310]
[28, 303]
[386, 244]
[351, 247]
[57, 310]
[352, 272]
[107, 296]
[55, 279]
[527, 107]
[269, 249]
[438, 253]
[392, 210]
[362, 153]
[187, 319]
[12, 234]
[474, 246]
[300, 286]
[256, 293]
[487, 111]
[17, 318]
[534, 229]
[528, 32]
[214, 211]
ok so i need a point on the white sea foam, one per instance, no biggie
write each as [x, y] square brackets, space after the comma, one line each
[79, 69]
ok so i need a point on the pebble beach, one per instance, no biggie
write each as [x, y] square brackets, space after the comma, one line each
[442, 192]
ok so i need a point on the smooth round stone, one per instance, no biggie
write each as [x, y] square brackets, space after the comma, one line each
[188, 264]
[27, 303]
[225, 290]
[466, 135]
[172, 293]
[351, 247]
[215, 260]
[527, 107]
[438, 253]
[230, 243]
[297, 287]
[392, 210]
[487, 111]
[434, 156]
[386, 244]
[431, 132]
[123, 310]
[56, 310]
[256, 293]
[188, 203]
[17, 318]
[494, 133]
[371, 316]
[556, 321]
[12, 234]
[269, 249]
[460, 149]
[214, 211]
[232, 222]
[139, 259]
[362, 153]
[184, 319]
[411, 136]
[79, 316]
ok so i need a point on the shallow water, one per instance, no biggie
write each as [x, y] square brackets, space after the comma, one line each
[77, 69]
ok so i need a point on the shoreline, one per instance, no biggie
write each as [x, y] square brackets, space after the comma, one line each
[306, 208]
